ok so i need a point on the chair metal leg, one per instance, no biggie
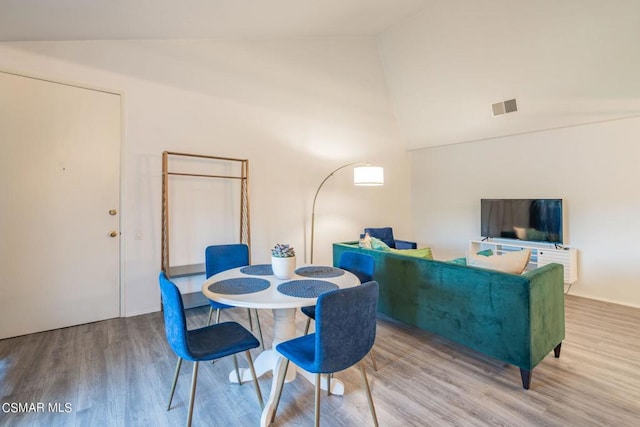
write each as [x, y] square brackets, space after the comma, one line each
[373, 360]
[279, 388]
[306, 327]
[250, 319]
[175, 381]
[217, 321]
[259, 328]
[317, 403]
[328, 384]
[368, 390]
[194, 380]
[235, 363]
[255, 379]
[210, 315]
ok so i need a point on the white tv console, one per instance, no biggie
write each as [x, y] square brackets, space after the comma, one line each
[541, 254]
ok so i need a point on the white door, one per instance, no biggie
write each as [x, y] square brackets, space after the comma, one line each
[59, 179]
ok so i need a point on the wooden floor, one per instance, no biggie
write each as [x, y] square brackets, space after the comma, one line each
[118, 373]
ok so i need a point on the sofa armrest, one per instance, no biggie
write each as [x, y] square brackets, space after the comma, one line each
[546, 310]
[403, 244]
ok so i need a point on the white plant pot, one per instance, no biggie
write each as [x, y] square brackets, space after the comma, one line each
[283, 268]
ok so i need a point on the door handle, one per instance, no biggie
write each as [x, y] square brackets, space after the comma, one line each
[113, 233]
[112, 212]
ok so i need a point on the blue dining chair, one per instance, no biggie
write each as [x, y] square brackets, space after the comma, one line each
[203, 344]
[363, 266]
[345, 333]
[225, 257]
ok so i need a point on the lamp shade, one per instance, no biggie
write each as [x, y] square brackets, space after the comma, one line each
[368, 175]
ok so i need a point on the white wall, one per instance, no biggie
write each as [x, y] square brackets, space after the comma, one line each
[594, 168]
[566, 62]
[296, 109]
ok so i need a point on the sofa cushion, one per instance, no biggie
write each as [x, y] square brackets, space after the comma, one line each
[419, 253]
[510, 262]
[379, 245]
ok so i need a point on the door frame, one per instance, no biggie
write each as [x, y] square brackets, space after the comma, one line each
[121, 180]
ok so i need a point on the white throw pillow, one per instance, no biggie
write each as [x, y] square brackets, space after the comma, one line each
[510, 262]
[365, 242]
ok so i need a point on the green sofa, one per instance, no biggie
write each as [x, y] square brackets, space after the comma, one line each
[518, 319]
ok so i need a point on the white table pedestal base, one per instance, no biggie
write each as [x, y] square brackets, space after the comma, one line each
[284, 329]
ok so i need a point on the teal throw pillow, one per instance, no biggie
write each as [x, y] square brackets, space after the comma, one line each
[463, 260]
[379, 244]
[486, 252]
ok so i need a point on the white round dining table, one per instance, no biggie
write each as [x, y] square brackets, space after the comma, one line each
[255, 286]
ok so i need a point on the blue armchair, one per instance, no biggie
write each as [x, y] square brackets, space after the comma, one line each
[386, 235]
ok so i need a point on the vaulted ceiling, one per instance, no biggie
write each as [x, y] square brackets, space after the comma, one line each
[30, 20]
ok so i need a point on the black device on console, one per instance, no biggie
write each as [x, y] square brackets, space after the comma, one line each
[534, 220]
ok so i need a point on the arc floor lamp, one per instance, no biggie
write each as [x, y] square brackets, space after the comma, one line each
[364, 174]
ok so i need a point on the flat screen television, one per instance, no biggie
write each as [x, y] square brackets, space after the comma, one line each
[533, 220]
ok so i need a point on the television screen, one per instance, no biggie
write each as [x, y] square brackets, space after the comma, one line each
[535, 220]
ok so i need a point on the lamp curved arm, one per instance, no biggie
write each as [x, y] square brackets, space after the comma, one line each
[313, 209]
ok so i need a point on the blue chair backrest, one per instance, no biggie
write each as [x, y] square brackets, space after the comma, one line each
[362, 265]
[345, 326]
[175, 323]
[225, 257]
[383, 233]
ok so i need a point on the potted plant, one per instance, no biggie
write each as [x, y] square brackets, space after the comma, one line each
[283, 261]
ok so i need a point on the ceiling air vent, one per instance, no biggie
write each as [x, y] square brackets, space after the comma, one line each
[504, 107]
